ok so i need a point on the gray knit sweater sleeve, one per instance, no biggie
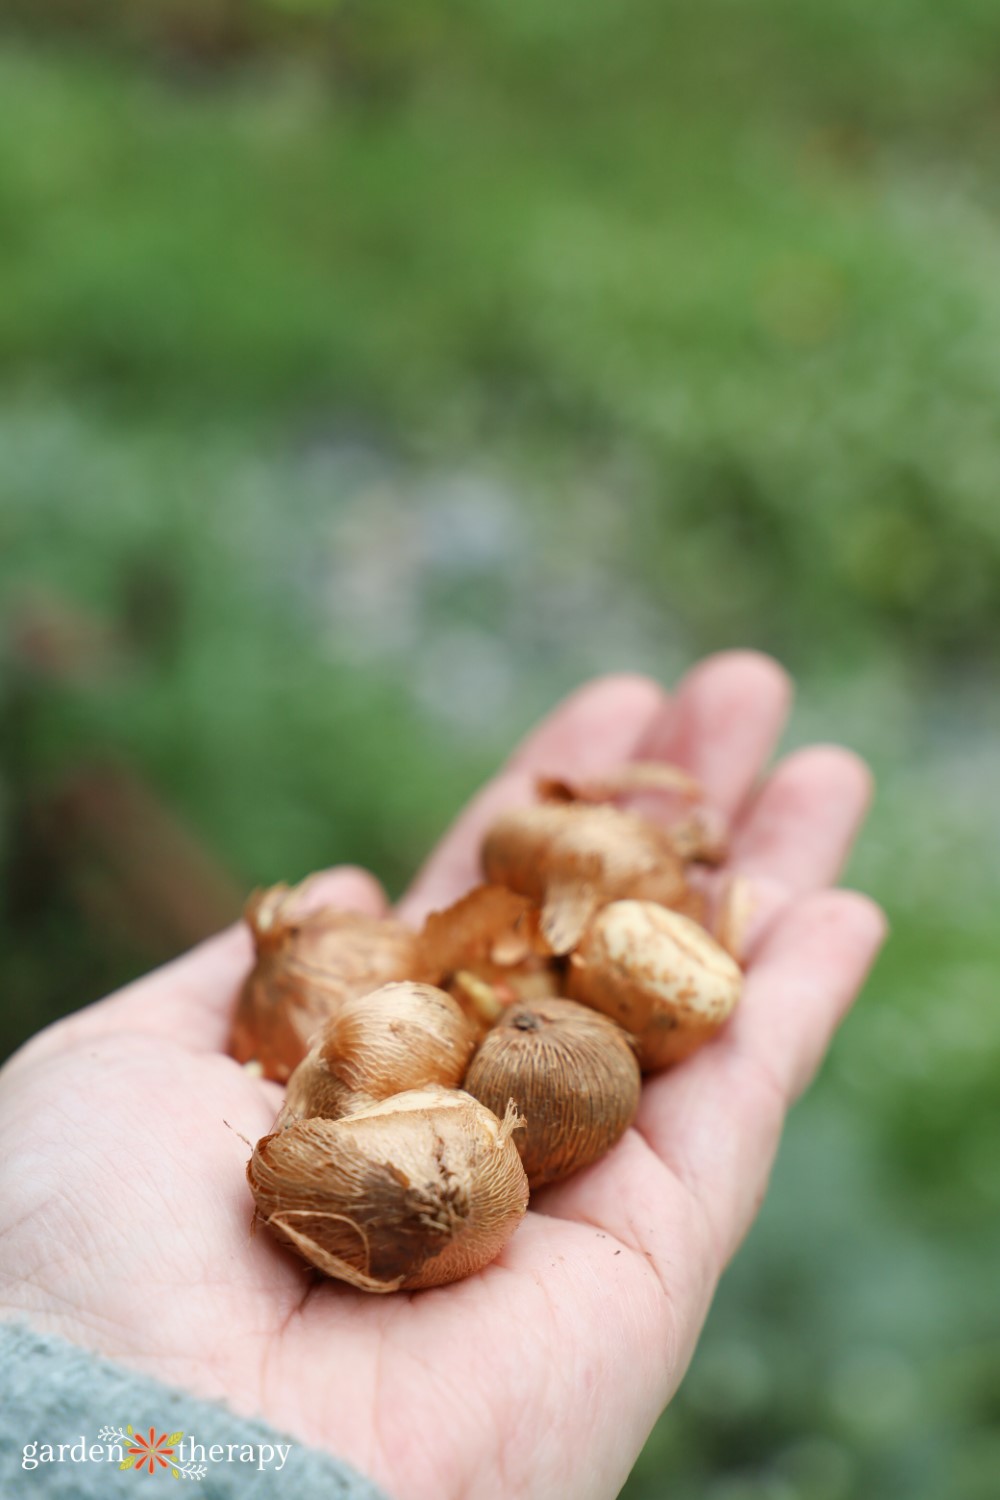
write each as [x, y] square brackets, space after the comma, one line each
[65, 1416]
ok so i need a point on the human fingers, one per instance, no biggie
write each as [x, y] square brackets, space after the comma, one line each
[800, 827]
[796, 834]
[717, 1118]
[593, 730]
[722, 724]
[707, 1131]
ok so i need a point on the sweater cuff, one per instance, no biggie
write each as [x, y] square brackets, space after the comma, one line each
[69, 1418]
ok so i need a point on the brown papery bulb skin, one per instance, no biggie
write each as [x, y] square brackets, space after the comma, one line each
[401, 1037]
[573, 858]
[417, 1191]
[486, 950]
[659, 975]
[571, 1073]
[307, 965]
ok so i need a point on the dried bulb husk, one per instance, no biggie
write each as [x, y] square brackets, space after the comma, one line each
[400, 1037]
[573, 859]
[485, 993]
[702, 834]
[697, 831]
[695, 903]
[308, 964]
[487, 950]
[633, 777]
[734, 915]
[573, 1075]
[416, 1191]
[657, 973]
[489, 924]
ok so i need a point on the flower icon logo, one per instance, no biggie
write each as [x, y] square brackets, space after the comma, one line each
[153, 1451]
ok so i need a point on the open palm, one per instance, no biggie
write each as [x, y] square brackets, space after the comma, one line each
[127, 1218]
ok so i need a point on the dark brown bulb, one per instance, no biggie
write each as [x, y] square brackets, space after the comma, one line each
[570, 1072]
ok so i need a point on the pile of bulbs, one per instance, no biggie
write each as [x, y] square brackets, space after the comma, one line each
[435, 1077]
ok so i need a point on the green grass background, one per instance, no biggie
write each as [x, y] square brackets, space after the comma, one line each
[370, 375]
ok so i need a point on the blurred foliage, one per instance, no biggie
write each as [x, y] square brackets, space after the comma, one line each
[369, 375]
[714, 255]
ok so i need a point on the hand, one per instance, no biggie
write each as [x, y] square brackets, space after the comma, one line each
[127, 1217]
